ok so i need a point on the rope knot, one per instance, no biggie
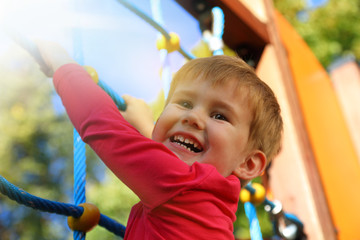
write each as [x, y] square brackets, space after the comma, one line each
[254, 193]
[87, 221]
[171, 45]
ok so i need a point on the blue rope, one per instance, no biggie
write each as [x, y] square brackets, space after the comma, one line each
[156, 12]
[250, 212]
[25, 198]
[32, 201]
[255, 231]
[218, 27]
[79, 169]
[78, 144]
[112, 226]
[120, 103]
[164, 57]
[79, 177]
[79, 150]
[154, 24]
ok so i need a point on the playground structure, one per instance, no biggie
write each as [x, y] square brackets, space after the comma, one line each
[307, 177]
[318, 158]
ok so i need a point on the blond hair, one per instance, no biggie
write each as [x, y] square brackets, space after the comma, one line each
[266, 126]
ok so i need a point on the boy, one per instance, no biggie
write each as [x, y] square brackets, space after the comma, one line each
[221, 125]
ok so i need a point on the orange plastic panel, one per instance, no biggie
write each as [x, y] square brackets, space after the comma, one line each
[332, 146]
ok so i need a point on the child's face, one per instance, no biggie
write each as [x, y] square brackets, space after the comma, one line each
[206, 124]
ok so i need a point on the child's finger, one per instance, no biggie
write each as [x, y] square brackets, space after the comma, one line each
[53, 54]
[127, 99]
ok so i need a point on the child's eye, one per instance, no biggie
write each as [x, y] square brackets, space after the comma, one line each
[219, 116]
[185, 104]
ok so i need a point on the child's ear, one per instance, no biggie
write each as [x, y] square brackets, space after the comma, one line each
[252, 167]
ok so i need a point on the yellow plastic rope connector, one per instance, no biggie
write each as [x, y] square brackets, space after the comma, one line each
[92, 73]
[171, 45]
[257, 198]
[87, 221]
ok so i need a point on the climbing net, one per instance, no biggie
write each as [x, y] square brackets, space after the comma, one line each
[82, 216]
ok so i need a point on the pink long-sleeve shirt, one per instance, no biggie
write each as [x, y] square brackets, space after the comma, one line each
[177, 201]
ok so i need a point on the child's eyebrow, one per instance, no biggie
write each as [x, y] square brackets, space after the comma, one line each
[228, 107]
[184, 92]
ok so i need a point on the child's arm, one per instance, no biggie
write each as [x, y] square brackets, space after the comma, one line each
[139, 115]
[150, 169]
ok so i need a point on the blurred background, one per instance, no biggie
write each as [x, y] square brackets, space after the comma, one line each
[35, 133]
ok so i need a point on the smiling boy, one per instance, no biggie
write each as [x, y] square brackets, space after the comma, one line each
[215, 119]
[221, 125]
[215, 104]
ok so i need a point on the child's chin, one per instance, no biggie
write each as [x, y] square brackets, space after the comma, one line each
[188, 161]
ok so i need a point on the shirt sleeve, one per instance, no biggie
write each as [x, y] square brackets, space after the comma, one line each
[152, 171]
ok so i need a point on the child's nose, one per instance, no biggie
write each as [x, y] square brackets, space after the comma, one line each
[194, 118]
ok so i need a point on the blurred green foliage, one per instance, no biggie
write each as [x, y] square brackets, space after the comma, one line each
[331, 30]
[242, 225]
[33, 146]
[36, 155]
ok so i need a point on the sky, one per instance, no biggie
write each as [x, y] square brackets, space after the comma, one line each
[117, 43]
[316, 3]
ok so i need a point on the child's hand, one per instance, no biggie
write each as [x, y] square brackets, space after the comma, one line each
[139, 115]
[53, 55]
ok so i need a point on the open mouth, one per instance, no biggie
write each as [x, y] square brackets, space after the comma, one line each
[187, 143]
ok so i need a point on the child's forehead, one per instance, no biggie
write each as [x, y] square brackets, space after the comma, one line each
[217, 83]
[188, 80]
[230, 89]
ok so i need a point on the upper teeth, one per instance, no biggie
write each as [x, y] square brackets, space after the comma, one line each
[186, 140]
[187, 143]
